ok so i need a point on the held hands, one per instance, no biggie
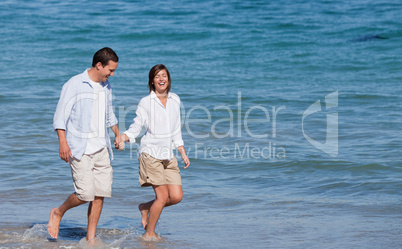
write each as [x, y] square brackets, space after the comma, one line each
[119, 143]
[121, 146]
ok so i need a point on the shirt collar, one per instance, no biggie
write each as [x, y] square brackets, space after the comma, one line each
[86, 79]
[153, 95]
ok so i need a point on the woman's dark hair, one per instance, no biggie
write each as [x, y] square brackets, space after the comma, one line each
[153, 72]
[104, 55]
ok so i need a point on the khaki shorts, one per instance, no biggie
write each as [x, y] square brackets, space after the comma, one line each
[157, 172]
[92, 175]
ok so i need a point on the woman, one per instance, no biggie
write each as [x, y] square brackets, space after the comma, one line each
[159, 113]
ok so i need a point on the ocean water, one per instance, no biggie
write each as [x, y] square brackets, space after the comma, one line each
[291, 119]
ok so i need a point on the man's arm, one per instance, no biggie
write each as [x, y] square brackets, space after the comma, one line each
[64, 150]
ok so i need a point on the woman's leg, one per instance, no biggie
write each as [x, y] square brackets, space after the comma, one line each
[175, 196]
[144, 209]
[162, 196]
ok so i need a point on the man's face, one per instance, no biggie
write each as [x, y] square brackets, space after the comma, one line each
[105, 71]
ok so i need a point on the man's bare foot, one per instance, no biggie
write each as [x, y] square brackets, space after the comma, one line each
[147, 237]
[54, 223]
[144, 215]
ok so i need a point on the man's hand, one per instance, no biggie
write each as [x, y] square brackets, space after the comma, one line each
[65, 152]
[118, 143]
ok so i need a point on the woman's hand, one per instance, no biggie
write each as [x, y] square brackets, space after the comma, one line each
[184, 157]
[121, 146]
[186, 161]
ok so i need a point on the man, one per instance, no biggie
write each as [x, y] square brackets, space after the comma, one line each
[82, 115]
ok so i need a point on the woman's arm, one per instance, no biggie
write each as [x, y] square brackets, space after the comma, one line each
[135, 128]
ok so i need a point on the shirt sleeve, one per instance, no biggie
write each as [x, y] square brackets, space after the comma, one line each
[64, 106]
[138, 122]
[177, 140]
[111, 117]
[176, 136]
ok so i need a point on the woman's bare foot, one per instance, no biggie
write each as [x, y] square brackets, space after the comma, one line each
[54, 223]
[144, 215]
[92, 243]
[147, 237]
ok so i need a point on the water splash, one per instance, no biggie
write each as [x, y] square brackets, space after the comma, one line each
[38, 231]
[96, 243]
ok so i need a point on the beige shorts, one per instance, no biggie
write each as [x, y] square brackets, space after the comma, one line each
[92, 175]
[157, 172]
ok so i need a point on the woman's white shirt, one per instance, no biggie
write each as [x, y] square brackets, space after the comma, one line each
[163, 126]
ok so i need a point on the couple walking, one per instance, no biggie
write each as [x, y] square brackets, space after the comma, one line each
[84, 112]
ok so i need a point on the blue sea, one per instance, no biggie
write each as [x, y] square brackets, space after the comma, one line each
[291, 117]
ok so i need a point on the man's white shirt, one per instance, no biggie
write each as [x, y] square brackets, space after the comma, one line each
[96, 138]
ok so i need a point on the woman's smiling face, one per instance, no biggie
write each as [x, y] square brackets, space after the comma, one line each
[161, 82]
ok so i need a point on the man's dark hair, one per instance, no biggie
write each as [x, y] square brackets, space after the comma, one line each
[103, 56]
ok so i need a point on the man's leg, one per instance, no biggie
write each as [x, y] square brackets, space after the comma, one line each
[57, 213]
[94, 212]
